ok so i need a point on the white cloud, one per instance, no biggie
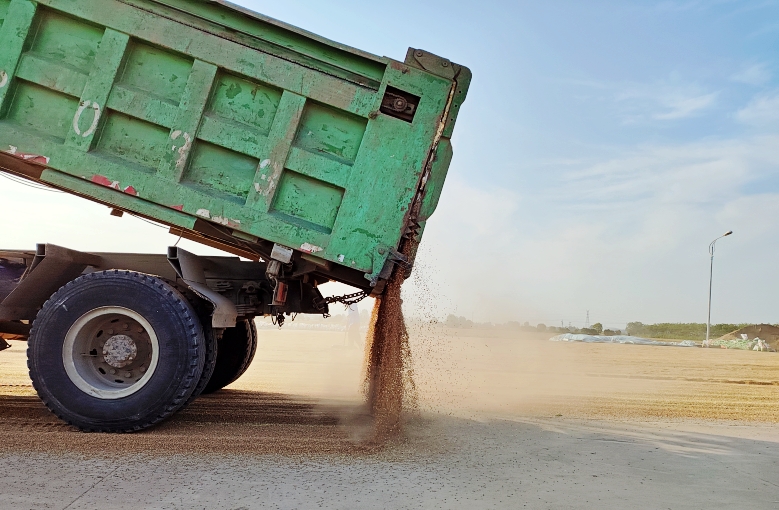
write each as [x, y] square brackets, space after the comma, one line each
[683, 107]
[626, 238]
[763, 110]
[663, 101]
[755, 74]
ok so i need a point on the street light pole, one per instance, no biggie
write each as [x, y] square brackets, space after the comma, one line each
[711, 278]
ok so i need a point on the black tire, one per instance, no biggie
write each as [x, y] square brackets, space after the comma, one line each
[204, 310]
[234, 355]
[212, 353]
[163, 319]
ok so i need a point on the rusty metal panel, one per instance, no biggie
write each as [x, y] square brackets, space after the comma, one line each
[198, 111]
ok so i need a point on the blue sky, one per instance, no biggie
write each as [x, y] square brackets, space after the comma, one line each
[603, 145]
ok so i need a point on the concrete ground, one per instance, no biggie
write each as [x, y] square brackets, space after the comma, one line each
[444, 463]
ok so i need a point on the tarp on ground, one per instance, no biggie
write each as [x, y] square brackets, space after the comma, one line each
[618, 339]
[743, 344]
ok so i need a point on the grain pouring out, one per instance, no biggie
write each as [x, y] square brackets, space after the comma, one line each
[390, 387]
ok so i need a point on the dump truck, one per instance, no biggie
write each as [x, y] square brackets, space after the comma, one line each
[304, 160]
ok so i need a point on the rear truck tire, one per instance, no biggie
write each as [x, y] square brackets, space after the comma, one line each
[116, 351]
[204, 310]
[234, 355]
[212, 346]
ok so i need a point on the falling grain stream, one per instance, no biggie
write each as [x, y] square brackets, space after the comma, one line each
[389, 379]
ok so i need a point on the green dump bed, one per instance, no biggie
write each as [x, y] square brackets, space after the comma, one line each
[232, 128]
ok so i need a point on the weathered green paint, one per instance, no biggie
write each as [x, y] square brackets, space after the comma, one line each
[13, 34]
[3, 10]
[41, 110]
[277, 146]
[271, 36]
[191, 108]
[67, 41]
[95, 91]
[34, 69]
[161, 106]
[310, 203]
[222, 170]
[137, 104]
[138, 143]
[249, 103]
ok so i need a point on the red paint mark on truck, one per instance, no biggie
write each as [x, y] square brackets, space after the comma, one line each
[101, 180]
[30, 158]
[105, 181]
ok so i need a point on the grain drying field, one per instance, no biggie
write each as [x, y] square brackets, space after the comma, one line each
[503, 421]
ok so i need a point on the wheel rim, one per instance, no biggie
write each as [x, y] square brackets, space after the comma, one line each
[110, 352]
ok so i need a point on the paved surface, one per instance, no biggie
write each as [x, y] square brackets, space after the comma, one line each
[445, 463]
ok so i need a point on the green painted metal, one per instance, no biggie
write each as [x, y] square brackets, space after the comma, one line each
[199, 110]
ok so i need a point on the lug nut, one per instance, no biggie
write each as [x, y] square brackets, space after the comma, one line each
[113, 371]
[143, 369]
[128, 374]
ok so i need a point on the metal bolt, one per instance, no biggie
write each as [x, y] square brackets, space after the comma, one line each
[105, 351]
[110, 331]
[128, 374]
[445, 63]
[125, 326]
[143, 369]
[420, 53]
[113, 371]
[382, 251]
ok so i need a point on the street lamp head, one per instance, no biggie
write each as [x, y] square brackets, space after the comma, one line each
[728, 233]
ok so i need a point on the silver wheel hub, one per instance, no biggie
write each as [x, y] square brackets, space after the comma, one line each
[119, 351]
[110, 352]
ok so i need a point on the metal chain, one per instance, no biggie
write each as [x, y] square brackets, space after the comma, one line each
[346, 300]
